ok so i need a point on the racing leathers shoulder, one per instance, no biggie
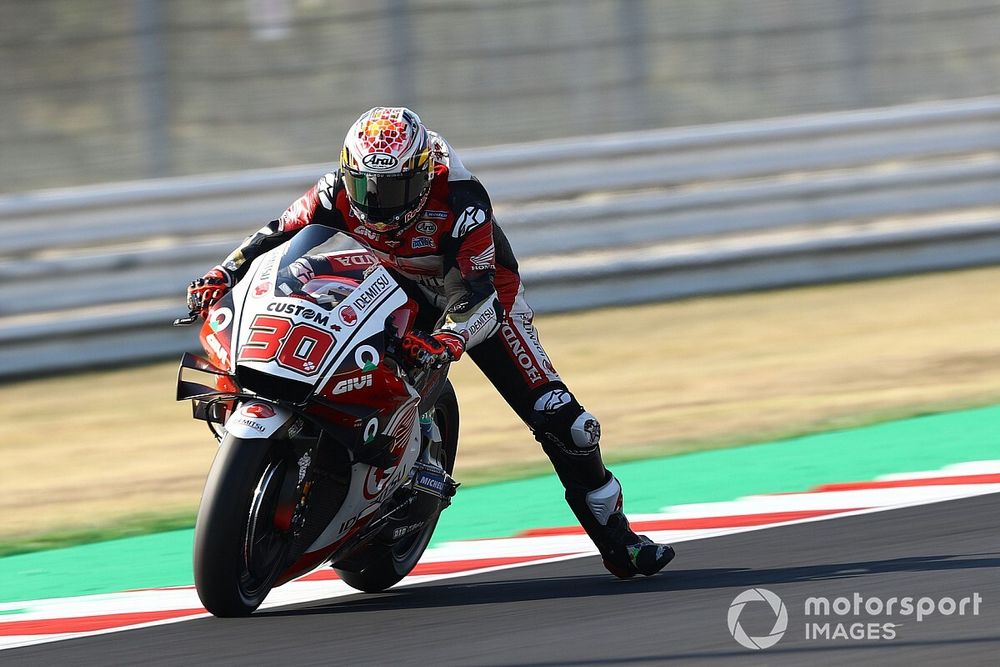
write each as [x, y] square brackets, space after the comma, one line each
[455, 253]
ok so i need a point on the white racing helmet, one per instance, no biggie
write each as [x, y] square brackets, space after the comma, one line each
[387, 167]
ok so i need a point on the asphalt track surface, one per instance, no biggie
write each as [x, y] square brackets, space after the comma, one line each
[572, 613]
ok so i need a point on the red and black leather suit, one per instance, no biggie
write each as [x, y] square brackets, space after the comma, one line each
[457, 263]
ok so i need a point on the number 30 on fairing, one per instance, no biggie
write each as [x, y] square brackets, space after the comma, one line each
[300, 347]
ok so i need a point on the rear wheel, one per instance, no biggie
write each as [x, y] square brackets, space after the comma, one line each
[238, 550]
[390, 563]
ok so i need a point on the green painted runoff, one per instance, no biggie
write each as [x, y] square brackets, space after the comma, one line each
[503, 509]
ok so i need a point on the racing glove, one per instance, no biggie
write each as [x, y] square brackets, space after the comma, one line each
[434, 350]
[206, 291]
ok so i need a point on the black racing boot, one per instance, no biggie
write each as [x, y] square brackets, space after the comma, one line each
[633, 554]
[625, 553]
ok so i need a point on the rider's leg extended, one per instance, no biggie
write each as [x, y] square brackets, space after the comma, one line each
[570, 436]
[516, 364]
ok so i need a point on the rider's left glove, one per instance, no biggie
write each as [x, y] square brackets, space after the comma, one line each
[205, 292]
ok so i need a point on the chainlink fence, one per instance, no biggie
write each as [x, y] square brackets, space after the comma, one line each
[107, 90]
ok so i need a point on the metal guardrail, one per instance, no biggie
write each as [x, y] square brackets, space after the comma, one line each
[604, 220]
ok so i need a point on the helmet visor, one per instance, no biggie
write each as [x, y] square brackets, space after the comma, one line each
[385, 197]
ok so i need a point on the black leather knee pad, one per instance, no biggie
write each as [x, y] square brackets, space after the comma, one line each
[558, 419]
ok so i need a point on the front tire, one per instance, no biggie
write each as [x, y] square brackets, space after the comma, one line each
[238, 551]
[389, 564]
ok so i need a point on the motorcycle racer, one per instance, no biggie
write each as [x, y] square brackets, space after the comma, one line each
[403, 193]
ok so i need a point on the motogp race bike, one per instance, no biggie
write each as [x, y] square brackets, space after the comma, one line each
[332, 448]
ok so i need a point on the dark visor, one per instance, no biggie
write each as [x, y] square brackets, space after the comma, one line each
[383, 197]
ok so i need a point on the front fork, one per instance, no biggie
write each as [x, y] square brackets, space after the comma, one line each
[431, 451]
[429, 473]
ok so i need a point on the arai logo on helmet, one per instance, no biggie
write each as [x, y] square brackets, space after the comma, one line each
[379, 161]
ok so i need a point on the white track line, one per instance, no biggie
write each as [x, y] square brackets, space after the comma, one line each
[830, 500]
[955, 469]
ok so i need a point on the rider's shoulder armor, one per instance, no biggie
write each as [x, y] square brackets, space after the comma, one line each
[470, 204]
[466, 197]
[327, 189]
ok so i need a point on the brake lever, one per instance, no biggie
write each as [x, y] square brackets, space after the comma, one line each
[186, 321]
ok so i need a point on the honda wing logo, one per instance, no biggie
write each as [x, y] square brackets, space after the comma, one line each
[484, 260]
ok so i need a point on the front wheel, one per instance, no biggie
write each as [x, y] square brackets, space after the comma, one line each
[389, 564]
[238, 550]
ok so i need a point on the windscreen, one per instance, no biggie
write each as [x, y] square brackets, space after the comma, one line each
[312, 240]
[300, 262]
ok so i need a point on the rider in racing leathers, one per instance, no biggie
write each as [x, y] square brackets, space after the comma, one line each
[402, 192]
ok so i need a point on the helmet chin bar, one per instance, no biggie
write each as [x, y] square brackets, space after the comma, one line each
[398, 223]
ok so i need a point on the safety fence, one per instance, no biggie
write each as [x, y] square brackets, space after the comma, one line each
[111, 90]
[93, 276]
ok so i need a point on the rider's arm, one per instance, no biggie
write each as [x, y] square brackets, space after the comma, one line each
[310, 207]
[473, 311]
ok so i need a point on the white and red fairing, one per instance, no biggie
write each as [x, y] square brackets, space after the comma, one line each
[340, 353]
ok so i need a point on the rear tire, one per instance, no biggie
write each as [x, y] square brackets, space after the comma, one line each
[238, 551]
[390, 563]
